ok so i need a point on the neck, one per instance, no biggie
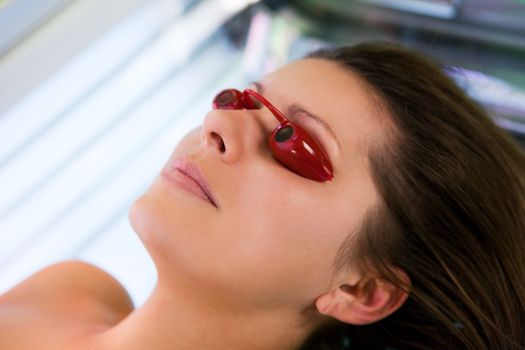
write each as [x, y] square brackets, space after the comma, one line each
[173, 319]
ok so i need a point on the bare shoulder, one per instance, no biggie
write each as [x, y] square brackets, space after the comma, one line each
[60, 306]
[72, 278]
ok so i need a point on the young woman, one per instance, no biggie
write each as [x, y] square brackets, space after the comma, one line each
[352, 199]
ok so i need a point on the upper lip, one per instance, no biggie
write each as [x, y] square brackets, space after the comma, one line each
[190, 169]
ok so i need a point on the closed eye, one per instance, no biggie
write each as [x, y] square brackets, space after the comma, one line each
[295, 108]
[299, 115]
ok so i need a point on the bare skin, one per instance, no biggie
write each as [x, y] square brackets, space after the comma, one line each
[255, 273]
[61, 307]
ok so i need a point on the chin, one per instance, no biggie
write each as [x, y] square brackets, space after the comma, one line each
[166, 221]
[140, 217]
[154, 211]
[149, 221]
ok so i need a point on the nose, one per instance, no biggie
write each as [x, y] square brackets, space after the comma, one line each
[234, 134]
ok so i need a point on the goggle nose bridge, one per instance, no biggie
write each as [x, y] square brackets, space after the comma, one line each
[236, 100]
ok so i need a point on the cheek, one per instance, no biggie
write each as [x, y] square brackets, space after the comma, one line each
[292, 238]
[289, 244]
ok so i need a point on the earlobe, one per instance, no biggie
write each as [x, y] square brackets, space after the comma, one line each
[366, 302]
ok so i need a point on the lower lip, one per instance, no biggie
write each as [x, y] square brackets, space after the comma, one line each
[184, 182]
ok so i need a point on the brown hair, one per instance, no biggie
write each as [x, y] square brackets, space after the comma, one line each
[452, 212]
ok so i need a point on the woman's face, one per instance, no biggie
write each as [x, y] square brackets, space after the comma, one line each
[273, 238]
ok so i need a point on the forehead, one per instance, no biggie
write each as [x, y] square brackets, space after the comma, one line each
[334, 93]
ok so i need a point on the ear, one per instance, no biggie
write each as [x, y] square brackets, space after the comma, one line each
[368, 301]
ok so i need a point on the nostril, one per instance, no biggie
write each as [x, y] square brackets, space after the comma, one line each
[217, 137]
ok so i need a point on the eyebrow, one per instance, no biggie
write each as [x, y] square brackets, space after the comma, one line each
[295, 108]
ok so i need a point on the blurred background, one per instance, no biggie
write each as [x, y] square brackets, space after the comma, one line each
[94, 96]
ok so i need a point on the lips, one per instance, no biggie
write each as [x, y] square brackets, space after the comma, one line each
[190, 169]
